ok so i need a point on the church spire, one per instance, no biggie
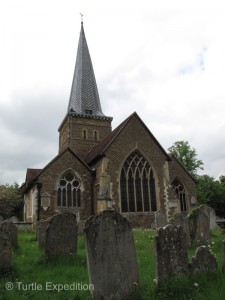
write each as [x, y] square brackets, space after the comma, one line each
[84, 97]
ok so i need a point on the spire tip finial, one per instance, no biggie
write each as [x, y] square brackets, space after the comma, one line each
[81, 15]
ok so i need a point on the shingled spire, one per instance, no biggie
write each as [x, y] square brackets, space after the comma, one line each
[84, 97]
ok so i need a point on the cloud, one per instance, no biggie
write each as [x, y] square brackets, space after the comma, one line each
[163, 60]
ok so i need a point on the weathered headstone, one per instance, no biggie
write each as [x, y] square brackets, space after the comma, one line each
[1, 219]
[14, 219]
[5, 254]
[170, 252]
[183, 221]
[210, 213]
[81, 226]
[199, 228]
[41, 232]
[9, 231]
[160, 219]
[111, 256]
[61, 235]
[203, 261]
[223, 256]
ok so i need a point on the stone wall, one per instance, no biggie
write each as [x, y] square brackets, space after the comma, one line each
[71, 133]
[50, 176]
[177, 171]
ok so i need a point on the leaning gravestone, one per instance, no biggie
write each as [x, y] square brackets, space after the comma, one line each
[210, 213]
[160, 218]
[203, 261]
[170, 252]
[9, 231]
[61, 235]
[111, 256]
[181, 220]
[5, 254]
[199, 228]
[41, 232]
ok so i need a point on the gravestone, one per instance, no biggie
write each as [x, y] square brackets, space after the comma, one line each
[160, 219]
[5, 254]
[9, 231]
[223, 256]
[210, 213]
[111, 256]
[14, 219]
[81, 226]
[41, 232]
[199, 228]
[170, 252]
[61, 235]
[203, 261]
[1, 219]
[181, 220]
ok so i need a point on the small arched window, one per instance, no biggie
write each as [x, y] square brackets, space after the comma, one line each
[68, 191]
[137, 185]
[180, 192]
[95, 134]
[84, 134]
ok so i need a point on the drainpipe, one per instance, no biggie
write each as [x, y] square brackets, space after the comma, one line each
[39, 186]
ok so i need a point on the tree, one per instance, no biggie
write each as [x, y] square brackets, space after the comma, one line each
[187, 156]
[11, 202]
[212, 193]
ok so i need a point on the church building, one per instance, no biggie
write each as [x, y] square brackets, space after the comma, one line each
[97, 168]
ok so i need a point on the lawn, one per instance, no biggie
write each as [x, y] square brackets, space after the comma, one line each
[34, 277]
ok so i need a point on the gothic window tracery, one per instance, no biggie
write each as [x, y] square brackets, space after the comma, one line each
[137, 185]
[68, 191]
[180, 192]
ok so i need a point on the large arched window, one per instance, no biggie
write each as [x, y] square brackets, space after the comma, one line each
[137, 185]
[180, 192]
[68, 191]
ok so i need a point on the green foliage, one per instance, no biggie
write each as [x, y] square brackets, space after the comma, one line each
[187, 156]
[11, 202]
[212, 193]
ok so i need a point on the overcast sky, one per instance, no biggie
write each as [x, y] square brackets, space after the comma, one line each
[163, 59]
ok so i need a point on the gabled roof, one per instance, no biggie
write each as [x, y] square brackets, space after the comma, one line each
[182, 166]
[33, 176]
[84, 97]
[100, 148]
[31, 173]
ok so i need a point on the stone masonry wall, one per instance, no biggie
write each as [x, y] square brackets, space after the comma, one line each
[49, 180]
[134, 136]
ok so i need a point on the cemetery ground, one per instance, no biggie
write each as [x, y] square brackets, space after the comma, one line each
[33, 276]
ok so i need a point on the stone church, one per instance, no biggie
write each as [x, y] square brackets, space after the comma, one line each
[97, 168]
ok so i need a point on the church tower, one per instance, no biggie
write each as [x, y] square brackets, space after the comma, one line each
[84, 124]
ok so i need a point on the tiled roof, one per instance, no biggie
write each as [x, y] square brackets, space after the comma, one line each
[31, 173]
[99, 149]
[103, 144]
[84, 97]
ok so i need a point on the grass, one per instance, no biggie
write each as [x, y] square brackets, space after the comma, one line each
[31, 268]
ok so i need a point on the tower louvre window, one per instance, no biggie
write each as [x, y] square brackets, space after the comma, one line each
[95, 135]
[137, 185]
[68, 192]
[84, 134]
